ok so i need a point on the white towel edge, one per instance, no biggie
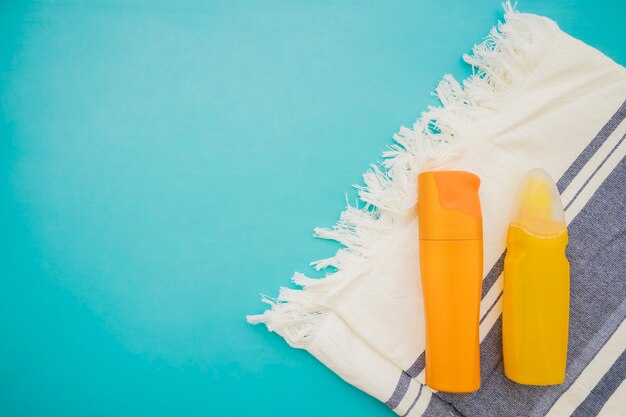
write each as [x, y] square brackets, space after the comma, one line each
[501, 63]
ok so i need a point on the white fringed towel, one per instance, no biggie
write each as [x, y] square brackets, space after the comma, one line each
[537, 98]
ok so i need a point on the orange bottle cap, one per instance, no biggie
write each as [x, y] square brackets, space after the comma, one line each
[449, 206]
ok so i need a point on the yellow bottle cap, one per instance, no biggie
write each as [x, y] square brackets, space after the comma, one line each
[538, 208]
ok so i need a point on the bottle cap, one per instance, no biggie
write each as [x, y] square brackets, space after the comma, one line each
[449, 206]
[538, 208]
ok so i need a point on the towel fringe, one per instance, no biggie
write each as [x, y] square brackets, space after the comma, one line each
[500, 64]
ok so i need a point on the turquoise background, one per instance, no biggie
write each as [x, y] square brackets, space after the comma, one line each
[163, 163]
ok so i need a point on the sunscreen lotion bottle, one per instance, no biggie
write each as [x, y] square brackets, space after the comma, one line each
[535, 313]
[451, 265]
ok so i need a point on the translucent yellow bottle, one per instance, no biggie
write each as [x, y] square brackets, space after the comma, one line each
[535, 315]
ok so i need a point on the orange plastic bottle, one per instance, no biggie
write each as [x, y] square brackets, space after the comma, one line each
[451, 263]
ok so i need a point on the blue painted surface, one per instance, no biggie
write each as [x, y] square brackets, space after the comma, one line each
[161, 163]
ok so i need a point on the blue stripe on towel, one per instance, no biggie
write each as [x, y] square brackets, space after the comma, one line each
[417, 397]
[417, 366]
[401, 388]
[591, 149]
[595, 172]
[603, 390]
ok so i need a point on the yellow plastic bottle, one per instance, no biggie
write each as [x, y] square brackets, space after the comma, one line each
[535, 314]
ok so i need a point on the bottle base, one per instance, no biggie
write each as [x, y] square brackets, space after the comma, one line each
[536, 382]
[453, 389]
